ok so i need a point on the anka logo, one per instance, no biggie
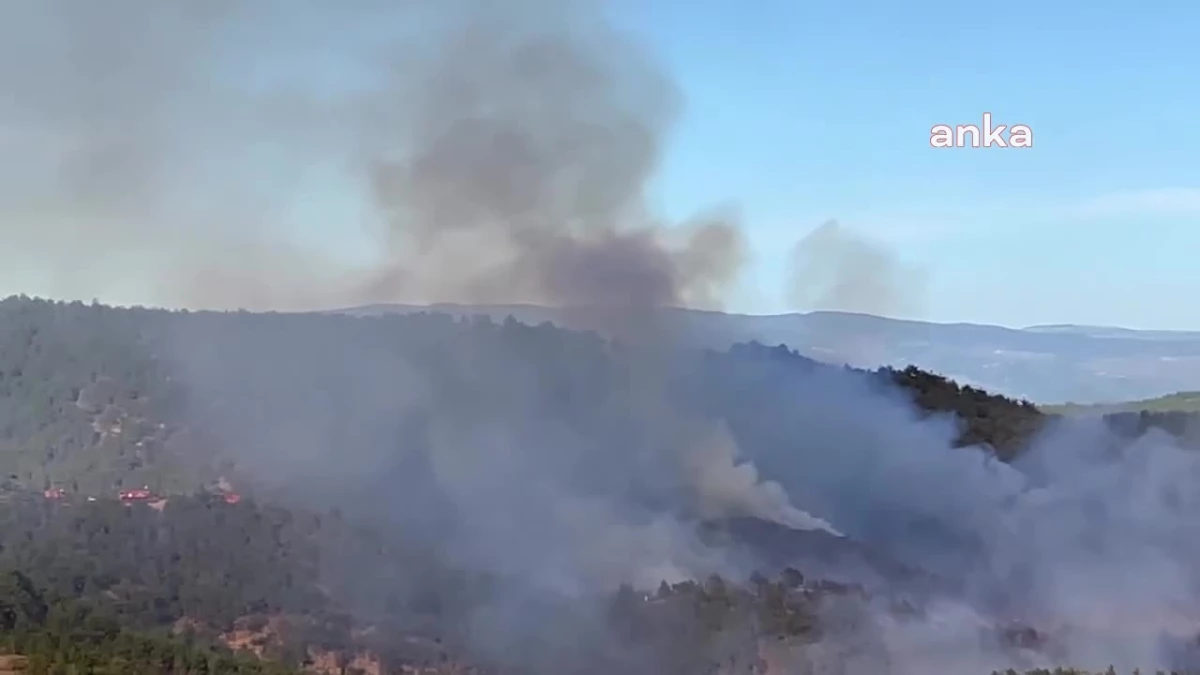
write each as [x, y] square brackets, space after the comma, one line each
[987, 135]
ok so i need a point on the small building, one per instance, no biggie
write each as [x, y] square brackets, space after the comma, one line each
[143, 494]
[54, 493]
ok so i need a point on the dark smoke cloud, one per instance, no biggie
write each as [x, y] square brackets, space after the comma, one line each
[493, 155]
[530, 153]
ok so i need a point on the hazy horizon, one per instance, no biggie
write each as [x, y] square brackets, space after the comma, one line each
[1010, 237]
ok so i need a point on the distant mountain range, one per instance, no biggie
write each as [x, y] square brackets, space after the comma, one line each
[1044, 364]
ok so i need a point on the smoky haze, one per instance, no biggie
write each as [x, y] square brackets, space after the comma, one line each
[835, 268]
[495, 156]
[471, 154]
[252, 154]
[502, 156]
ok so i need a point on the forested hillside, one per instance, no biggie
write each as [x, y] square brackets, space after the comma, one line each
[213, 573]
[1175, 414]
[83, 403]
[389, 469]
[106, 583]
[44, 632]
[91, 399]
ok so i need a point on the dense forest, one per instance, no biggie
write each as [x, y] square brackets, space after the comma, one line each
[91, 399]
[101, 583]
[203, 570]
[53, 633]
[113, 588]
[340, 554]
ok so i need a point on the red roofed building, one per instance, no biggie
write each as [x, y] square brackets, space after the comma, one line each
[54, 493]
[139, 495]
[232, 498]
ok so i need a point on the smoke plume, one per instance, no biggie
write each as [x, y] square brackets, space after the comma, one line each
[287, 155]
[834, 268]
[499, 156]
[1084, 536]
[262, 155]
[226, 155]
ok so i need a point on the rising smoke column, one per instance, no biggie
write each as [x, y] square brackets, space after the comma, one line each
[493, 153]
[530, 142]
[529, 146]
[1085, 537]
[835, 268]
[478, 152]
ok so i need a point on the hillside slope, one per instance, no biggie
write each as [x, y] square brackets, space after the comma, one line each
[425, 490]
[95, 398]
[1045, 364]
[200, 574]
[315, 413]
[1182, 401]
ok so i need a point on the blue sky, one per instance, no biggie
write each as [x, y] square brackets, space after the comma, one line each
[796, 111]
[804, 111]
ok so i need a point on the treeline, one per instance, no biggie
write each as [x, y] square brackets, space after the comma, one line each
[337, 417]
[984, 419]
[51, 635]
[1007, 425]
[82, 398]
[996, 421]
[105, 585]
[1182, 425]
[217, 569]
[198, 558]
[98, 587]
[95, 398]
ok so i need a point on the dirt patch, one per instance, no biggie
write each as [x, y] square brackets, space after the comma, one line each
[13, 664]
[255, 635]
[331, 663]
